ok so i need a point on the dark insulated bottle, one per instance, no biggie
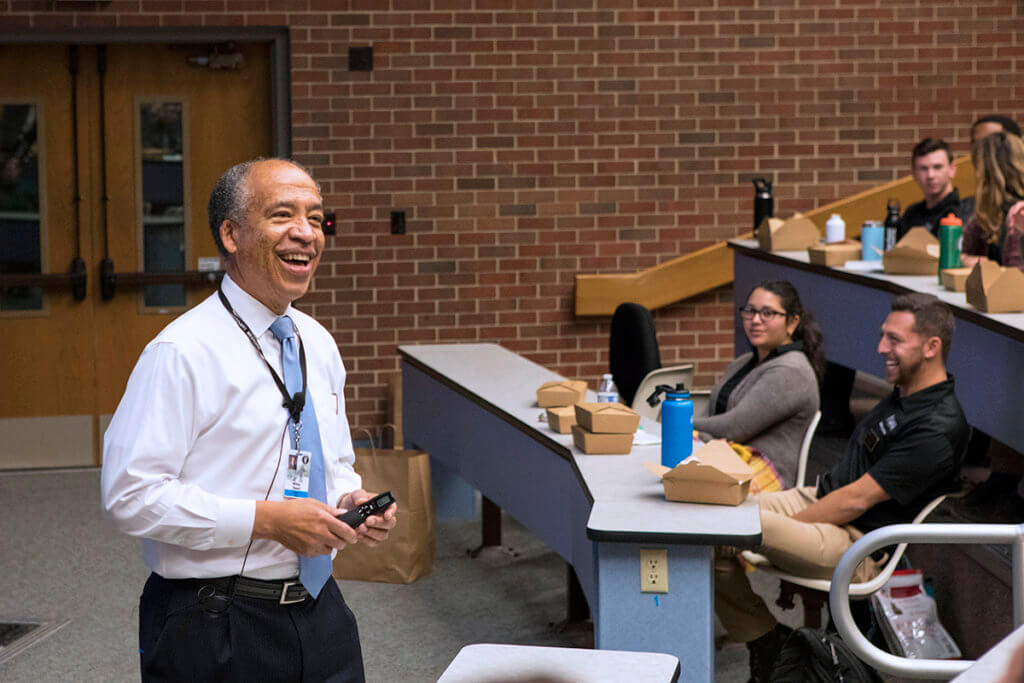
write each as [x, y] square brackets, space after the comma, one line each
[892, 223]
[764, 204]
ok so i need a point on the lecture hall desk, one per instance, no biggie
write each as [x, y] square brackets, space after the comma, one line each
[473, 408]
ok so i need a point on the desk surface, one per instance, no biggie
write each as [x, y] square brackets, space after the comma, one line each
[487, 663]
[1004, 659]
[628, 501]
[1011, 324]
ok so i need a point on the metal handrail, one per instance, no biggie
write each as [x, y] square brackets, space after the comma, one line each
[839, 596]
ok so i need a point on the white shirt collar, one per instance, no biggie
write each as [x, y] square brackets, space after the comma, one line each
[258, 317]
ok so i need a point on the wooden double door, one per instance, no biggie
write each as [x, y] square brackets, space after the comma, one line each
[107, 158]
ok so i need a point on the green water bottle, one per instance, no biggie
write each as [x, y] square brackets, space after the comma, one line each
[951, 231]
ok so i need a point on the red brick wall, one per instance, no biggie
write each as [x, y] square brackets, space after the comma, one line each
[531, 140]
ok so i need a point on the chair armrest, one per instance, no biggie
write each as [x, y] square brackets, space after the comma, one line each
[839, 604]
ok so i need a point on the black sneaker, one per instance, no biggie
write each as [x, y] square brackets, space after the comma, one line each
[764, 651]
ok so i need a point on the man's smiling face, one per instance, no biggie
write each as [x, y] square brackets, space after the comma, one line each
[276, 249]
[901, 348]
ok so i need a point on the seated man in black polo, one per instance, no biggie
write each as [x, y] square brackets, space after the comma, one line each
[904, 453]
[933, 169]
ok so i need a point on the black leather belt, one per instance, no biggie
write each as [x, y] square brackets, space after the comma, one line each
[285, 592]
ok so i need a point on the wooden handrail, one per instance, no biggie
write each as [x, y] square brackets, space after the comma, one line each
[664, 284]
[710, 267]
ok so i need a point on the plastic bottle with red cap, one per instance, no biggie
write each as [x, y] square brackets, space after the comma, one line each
[951, 230]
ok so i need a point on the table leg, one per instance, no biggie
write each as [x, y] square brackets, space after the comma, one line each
[679, 622]
[579, 610]
[490, 523]
[490, 531]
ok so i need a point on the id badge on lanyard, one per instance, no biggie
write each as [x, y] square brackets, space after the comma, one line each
[296, 479]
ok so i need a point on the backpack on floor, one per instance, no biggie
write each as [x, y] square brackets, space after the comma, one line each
[818, 656]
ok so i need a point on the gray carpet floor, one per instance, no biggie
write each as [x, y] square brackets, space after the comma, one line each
[61, 561]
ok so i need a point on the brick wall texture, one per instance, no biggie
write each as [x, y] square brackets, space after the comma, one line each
[531, 140]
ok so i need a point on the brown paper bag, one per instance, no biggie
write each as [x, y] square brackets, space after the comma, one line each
[409, 551]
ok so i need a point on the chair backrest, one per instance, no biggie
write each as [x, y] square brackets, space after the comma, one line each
[805, 449]
[869, 587]
[701, 398]
[632, 348]
[671, 376]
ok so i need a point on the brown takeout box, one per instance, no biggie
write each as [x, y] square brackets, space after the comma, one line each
[955, 279]
[607, 418]
[601, 444]
[916, 254]
[834, 254]
[993, 289]
[714, 474]
[562, 418]
[561, 393]
[798, 232]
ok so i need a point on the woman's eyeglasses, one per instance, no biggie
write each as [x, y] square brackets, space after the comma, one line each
[767, 314]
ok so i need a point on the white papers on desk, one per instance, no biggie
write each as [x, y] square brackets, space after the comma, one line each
[642, 438]
[864, 266]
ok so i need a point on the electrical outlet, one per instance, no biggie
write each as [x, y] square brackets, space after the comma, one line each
[654, 571]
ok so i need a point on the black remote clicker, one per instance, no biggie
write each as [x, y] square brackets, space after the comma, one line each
[375, 505]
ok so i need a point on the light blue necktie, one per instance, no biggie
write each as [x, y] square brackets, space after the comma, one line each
[313, 571]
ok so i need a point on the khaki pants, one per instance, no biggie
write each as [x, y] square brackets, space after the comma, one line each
[799, 548]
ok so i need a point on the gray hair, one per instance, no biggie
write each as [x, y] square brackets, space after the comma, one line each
[230, 197]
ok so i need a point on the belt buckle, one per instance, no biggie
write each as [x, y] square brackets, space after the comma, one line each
[284, 594]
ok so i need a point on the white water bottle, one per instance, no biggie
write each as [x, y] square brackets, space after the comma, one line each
[835, 229]
[608, 393]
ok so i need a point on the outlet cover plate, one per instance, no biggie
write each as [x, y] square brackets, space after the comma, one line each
[654, 571]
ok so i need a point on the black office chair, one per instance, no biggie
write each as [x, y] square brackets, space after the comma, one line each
[635, 362]
[632, 348]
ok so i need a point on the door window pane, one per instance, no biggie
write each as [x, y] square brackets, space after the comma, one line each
[163, 199]
[20, 245]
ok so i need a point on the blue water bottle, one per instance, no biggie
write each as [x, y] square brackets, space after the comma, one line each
[676, 424]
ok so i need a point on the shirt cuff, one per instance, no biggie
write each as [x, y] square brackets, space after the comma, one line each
[235, 520]
[347, 481]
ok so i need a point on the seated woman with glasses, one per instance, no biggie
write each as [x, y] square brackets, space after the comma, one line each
[768, 396]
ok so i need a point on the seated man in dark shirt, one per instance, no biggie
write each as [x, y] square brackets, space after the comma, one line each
[932, 165]
[904, 453]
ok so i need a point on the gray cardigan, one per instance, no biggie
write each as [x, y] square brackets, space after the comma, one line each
[769, 409]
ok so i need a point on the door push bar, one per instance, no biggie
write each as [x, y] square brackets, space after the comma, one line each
[839, 597]
[110, 281]
[75, 278]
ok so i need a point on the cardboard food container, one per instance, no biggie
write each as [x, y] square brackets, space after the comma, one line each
[916, 254]
[714, 474]
[601, 444]
[607, 418]
[993, 289]
[955, 279]
[563, 393]
[835, 254]
[794, 234]
[562, 419]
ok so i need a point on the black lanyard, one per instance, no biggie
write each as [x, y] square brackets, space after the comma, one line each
[293, 404]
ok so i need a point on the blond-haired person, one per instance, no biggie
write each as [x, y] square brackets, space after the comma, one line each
[995, 230]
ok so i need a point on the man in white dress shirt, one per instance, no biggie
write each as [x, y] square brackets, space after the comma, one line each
[197, 459]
